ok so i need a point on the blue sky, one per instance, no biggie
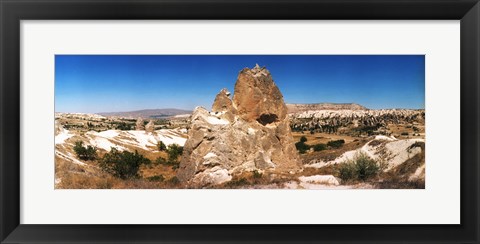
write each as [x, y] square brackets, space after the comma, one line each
[110, 83]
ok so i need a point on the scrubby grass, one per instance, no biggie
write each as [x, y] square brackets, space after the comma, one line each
[156, 178]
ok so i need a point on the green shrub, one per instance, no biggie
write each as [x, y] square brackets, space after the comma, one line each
[319, 147]
[123, 126]
[366, 167]
[85, 153]
[361, 167]
[123, 164]
[174, 151]
[161, 146]
[302, 147]
[336, 143]
[303, 139]
[404, 134]
[347, 171]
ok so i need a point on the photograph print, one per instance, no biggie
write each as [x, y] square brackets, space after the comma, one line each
[314, 122]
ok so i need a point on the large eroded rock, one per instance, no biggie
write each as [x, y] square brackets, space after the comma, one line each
[250, 133]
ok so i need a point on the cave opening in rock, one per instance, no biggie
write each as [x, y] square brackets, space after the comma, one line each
[265, 119]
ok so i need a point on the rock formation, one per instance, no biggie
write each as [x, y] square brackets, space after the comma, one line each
[329, 121]
[297, 108]
[139, 124]
[249, 132]
[150, 127]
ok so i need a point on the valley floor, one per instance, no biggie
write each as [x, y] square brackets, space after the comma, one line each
[402, 162]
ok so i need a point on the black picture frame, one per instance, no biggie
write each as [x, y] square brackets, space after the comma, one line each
[13, 11]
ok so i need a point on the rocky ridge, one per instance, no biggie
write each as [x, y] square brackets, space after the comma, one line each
[297, 108]
[330, 120]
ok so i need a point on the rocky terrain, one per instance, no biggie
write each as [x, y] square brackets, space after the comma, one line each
[249, 139]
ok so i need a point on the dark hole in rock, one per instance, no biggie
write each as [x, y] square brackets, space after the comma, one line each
[265, 119]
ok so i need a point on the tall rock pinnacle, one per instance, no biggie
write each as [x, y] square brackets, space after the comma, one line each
[250, 132]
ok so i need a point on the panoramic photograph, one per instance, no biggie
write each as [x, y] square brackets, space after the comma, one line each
[319, 122]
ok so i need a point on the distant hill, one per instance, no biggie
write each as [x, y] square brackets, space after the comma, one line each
[148, 113]
[297, 107]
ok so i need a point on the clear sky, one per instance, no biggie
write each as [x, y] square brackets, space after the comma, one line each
[112, 83]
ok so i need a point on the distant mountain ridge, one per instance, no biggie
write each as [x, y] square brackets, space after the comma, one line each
[148, 113]
[297, 107]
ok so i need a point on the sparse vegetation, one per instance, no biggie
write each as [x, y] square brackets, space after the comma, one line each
[156, 178]
[236, 183]
[161, 146]
[85, 153]
[336, 143]
[123, 164]
[161, 161]
[123, 126]
[361, 167]
[303, 139]
[301, 146]
[319, 147]
[174, 151]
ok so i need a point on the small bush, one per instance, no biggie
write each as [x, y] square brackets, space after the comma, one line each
[336, 143]
[123, 164]
[366, 167]
[404, 134]
[319, 147]
[85, 153]
[174, 151]
[361, 167]
[347, 171]
[302, 147]
[303, 139]
[161, 146]
[123, 126]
